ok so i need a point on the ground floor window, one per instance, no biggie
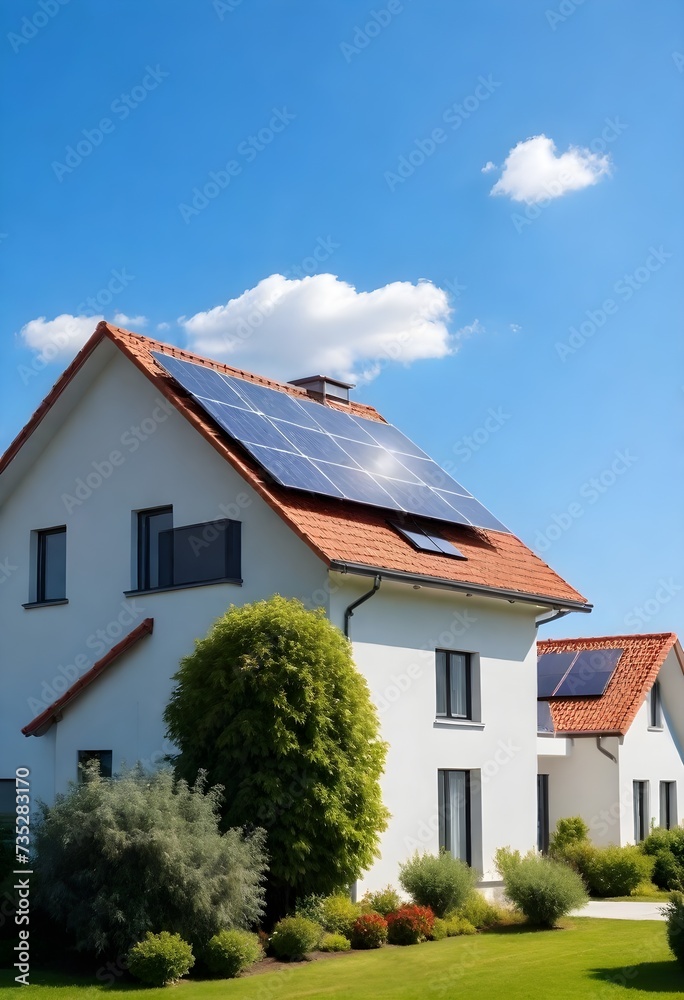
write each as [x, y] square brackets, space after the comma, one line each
[640, 810]
[454, 813]
[668, 804]
[543, 813]
[103, 757]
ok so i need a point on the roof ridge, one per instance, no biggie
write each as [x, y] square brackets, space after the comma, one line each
[151, 344]
[606, 638]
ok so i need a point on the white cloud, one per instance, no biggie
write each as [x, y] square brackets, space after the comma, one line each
[515, 328]
[163, 326]
[320, 325]
[488, 167]
[60, 337]
[469, 331]
[533, 171]
[121, 319]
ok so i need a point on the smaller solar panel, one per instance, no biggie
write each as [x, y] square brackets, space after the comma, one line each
[551, 669]
[426, 541]
[590, 673]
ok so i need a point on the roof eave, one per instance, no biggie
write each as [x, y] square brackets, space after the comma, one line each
[439, 583]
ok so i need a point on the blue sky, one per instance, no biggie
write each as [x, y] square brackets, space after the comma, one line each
[453, 307]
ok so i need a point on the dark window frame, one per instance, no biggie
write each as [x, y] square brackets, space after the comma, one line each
[85, 756]
[668, 800]
[640, 792]
[444, 811]
[41, 563]
[655, 707]
[143, 523]
[449, 714]
[543, 832]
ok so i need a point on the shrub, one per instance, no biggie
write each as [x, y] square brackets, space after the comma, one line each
[616, 871]
[674, 912]
[667, 847]
[455, 926]
[384, 901]
[293, 937]
[334, 942]
[337, 914]
[230, 952]
[369, 931]
[505, 859]
[542, 889]
[160, 958]
[118, 858]
[439, 930]
[668, 872]
[410, 925]
[310, 907]
[481, 913]
[270, 702]
[439, 881]
[569, 831]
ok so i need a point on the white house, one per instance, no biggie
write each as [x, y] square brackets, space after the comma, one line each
[615, 758]
[132, 519]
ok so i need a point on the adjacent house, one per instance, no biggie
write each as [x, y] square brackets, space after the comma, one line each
[611, 734]
[153, 488]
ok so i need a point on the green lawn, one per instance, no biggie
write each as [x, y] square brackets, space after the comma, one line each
[587, 960]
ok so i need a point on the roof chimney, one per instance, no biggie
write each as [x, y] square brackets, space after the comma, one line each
[322, 387]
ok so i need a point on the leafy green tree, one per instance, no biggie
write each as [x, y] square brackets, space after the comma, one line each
[270, 703]
[117, 858]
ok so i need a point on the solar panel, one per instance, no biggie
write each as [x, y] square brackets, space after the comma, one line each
[426, 541]
[589, 674]
[551, 669]
[306, 445]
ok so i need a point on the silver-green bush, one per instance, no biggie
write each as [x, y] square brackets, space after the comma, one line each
[437, 880]
[542, 889]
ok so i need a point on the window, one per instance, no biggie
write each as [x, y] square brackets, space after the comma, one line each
[426, 540]
[187, 556]
[454, 813]
[103, 757]
[668, 804]
[51, 565]
[152, 572]
[454, 699]
[655, 714]
[640, 811]
[543, 813]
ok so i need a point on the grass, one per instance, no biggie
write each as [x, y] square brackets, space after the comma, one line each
[587, 958]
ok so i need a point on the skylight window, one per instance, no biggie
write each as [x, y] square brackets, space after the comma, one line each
[426, 541]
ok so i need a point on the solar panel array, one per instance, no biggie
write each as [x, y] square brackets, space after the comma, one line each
[573, 674]
[306, 445]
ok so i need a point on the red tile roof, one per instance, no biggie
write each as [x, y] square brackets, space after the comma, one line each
[339, 532]
[616, 709]
[40, 725]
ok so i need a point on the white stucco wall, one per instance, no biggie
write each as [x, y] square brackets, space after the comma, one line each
[395, 635]
[654, 755]
[584, 783]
